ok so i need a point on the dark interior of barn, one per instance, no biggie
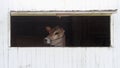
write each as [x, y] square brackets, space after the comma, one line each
[80, 31]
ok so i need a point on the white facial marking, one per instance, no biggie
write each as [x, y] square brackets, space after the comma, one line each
[48, 40]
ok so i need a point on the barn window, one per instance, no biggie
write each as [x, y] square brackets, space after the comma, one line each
[81, 29]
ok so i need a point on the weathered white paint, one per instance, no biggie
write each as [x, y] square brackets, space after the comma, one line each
[77, 57]
[64, 13]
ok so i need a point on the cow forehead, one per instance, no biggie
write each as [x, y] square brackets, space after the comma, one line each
[55, 29]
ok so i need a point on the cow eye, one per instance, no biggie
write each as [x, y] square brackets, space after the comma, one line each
[56, 33]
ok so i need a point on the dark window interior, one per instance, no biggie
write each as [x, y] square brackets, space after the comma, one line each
[80, 31]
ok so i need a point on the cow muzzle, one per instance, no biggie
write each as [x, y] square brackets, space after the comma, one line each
[47, 40]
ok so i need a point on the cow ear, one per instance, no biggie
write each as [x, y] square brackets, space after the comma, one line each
[48, 28]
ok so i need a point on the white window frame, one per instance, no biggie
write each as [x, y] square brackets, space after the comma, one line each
[68, 13]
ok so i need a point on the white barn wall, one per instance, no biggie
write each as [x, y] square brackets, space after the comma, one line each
[77, 57]
[61, 4]
[4, 42]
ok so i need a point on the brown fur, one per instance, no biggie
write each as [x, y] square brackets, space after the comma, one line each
[56, 36]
